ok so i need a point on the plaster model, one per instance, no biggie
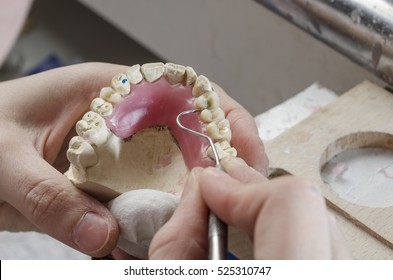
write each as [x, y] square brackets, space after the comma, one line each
[130, 140]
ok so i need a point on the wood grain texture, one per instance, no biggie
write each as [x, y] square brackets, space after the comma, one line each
[362, 117]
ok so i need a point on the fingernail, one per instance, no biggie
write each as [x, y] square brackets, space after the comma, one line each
[91, 233]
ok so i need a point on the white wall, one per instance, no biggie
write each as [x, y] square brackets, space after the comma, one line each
[259, 58]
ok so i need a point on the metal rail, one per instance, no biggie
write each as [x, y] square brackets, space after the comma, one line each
[362, 30]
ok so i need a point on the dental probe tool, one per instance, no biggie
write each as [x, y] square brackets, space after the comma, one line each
[218, 230]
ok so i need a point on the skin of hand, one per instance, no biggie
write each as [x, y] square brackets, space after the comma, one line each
[286, 217]
[37, 118]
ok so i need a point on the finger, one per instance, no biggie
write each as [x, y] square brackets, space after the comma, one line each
[48, 199]
[293, 223]
[283, 215]
[63, 94]
[12, 220]
[230, 199]
[184, 236]
[238, 169]
[339, 248]
[245, 137]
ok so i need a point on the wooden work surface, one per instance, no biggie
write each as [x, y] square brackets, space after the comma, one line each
[361, 117]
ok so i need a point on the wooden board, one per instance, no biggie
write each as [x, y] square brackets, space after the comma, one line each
[361, 117]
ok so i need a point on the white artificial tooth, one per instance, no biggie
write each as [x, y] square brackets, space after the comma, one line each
[80, 153]
[101, 107]
[201, 86]
[213, 131]
[226, 148]
[92, 128]
[153, 71]
[225, 130]
[224, 145]
[208, 100]
[212, 115]
[230, 152]
[191, 76]
[81, 126]
[108, 94]
[220, 152]
[174, 73]
[219, 130]
[121, 84]
[223, 149]
[134, 74]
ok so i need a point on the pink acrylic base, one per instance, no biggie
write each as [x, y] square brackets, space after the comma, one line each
[158, 104]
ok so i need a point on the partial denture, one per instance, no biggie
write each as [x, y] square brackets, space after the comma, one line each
[130, 140]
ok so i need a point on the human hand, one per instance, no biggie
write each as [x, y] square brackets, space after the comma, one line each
[137, 229]
[286, 217]
[37, 118]
[245, 136]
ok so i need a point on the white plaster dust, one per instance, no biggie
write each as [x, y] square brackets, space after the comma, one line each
[362, 176]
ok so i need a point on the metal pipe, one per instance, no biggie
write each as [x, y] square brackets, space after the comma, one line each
[362, 30]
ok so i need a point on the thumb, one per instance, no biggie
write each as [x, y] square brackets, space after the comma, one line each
[286, 216]
[235, 202]
[49, 200]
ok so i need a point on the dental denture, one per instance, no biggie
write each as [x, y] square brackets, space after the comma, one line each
[131, 153]
[130, 139]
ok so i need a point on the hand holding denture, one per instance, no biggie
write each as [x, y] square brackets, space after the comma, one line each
[38, 116]
[131, 133]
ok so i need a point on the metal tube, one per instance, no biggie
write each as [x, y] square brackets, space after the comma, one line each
[218, 238]
[362, 30]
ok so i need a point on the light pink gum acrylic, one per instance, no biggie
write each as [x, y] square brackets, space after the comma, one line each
[158, 104]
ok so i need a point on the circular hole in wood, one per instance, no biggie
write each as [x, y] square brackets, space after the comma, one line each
[359, 168]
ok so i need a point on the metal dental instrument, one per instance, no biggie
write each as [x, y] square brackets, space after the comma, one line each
[218, 230]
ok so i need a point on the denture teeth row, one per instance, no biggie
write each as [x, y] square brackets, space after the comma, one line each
[223, 148]
[92, 130]
[205, 96]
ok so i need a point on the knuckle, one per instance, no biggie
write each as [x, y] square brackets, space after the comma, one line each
[44, 199]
